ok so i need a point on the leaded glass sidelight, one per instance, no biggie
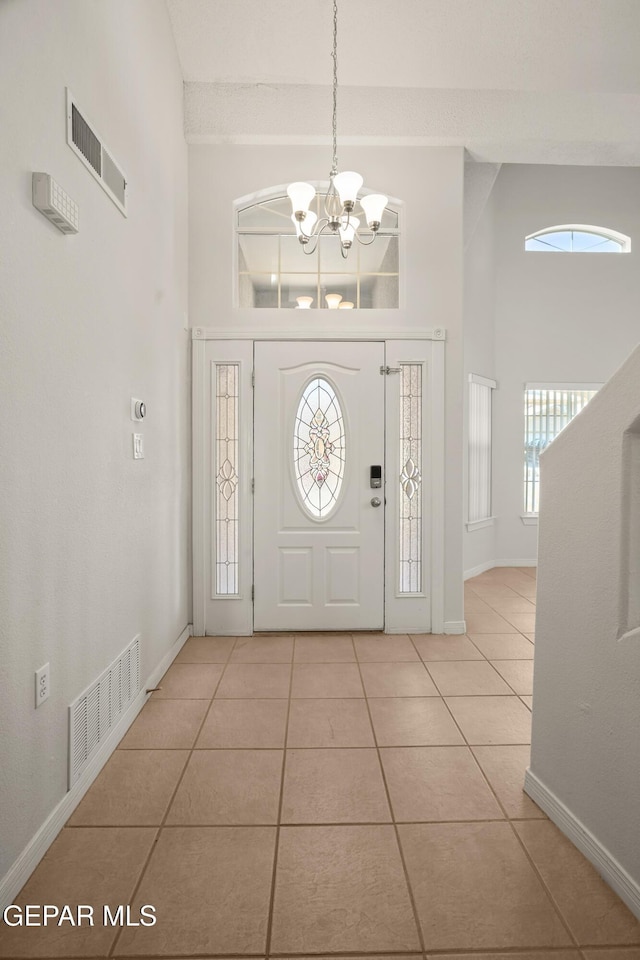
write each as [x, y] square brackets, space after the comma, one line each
[226, 479]
[410, 479]
[319, 448]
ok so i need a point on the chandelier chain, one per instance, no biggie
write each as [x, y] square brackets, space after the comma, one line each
[334, 128]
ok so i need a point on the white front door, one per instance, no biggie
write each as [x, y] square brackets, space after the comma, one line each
[319, 418]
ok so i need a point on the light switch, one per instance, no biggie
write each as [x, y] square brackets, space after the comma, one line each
[138, 446]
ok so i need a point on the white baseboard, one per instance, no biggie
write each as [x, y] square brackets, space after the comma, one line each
[481, 568]
[28, 860]
[490, 564]
[607, 866]
[516, 563]
[455, 626]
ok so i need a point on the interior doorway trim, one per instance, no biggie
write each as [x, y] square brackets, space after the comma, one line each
[201, 413]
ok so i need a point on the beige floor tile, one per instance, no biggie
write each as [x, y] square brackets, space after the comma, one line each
[326, 680]
[524, 622]
[474, 888]
[528, 701]
[334, 786]
[521, 955]
[489, 590]
[210, 887]
[275, 649]
[438, 647]
[525, 589]
[133, 789]
[229, 787]
[206, 650]
[488, 623]
[237, 724]
[397, 680]
[387, 647]
[492, 720]
[413, 722]
[503, 646]
[592, 910]
[189, 681]
[329, 723]
[530, 636]
[263, 681]
[324, 648]
[473, 604]
[517, 673]
[92, 866]
[341, 889]
[506, 605]
[437, 783]
[467, 678]
[504, 768]
[165, 725]
[612, 953]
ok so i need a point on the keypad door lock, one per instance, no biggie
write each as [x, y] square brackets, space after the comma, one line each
[375, 476]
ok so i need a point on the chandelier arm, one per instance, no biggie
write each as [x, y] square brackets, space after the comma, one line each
[365, 243]
[318, 227]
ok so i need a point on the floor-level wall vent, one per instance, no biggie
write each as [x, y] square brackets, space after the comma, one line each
[89, 147]
[94, 714]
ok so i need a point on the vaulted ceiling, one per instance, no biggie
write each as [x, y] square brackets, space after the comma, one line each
[542, 81]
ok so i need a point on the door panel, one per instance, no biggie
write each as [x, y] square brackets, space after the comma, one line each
[318, 541]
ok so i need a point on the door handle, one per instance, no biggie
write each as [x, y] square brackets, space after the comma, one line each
[375, 501]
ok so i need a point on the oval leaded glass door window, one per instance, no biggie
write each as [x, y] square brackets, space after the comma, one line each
[319, 448]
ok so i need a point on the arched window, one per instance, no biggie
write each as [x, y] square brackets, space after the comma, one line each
[272, 270]
[578, 238]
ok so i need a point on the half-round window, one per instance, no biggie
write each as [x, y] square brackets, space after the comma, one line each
[578, 238]
[319, 445]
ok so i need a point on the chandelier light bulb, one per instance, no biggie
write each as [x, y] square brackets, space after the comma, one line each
[333, 300]
[301, 195]
[373, 205]
[345, 305]
[304, 303]
[347, 184]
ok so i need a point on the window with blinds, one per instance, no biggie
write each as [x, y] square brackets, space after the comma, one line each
[548, 408]
[480, 396]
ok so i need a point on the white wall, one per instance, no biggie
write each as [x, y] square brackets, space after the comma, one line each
[586, 718]
[479, 358]
[559, 317]
[430, 182]
[95, 545]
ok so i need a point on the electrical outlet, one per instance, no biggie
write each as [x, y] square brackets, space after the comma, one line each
[42, 685]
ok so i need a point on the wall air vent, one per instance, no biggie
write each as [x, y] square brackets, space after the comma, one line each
[94, 714]
[89, 147]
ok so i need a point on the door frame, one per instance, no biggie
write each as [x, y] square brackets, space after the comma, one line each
[237, 612]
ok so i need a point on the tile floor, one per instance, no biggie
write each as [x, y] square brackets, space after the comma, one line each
[351, 795]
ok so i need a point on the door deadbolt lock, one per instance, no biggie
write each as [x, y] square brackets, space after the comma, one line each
[375, 475]
[375, 501]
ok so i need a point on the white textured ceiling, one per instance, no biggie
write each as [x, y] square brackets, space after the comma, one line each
[531, 81]
[458, 44]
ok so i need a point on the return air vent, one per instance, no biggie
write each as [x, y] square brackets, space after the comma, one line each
[89, 147]
[94, 714]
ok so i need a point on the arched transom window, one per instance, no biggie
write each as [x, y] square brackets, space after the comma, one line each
[578, 238]
[274, 272]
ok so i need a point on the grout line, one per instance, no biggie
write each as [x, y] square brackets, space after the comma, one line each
[159, 829]
[272, 897]
[414, 908]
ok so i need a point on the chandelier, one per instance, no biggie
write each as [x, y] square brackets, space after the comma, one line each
[342, 195]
